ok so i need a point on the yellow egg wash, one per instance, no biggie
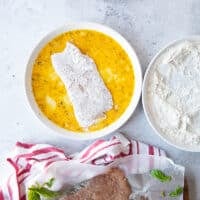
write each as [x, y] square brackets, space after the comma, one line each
[114, 67]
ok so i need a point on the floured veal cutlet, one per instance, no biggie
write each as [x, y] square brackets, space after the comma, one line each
[87, 91]
[112, 185]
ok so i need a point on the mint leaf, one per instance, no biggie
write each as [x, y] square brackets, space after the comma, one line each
[49, 183]
[44, 192]
[177, 192]
[161, 176]
[33, 195]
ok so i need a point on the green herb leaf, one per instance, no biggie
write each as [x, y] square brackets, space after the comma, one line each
[161, 176]
[38, 190]
[49, 183]
[177, 192]
[163, 194]
[44, 192]
[33, 195]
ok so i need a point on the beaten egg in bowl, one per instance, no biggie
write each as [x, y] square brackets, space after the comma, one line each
[116, 79]
[112, 63]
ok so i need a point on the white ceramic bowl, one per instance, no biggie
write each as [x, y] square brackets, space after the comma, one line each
[145, 99]
[137, 90]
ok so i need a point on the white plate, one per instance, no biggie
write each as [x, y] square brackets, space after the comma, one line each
[145, 99]
[136, 67]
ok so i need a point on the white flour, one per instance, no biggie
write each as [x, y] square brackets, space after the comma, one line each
[89, 96]
[174, 93]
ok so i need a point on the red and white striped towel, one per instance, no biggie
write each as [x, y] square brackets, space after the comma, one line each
[30, 159]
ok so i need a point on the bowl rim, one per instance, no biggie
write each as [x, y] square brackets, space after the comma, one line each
[168, 140]
[137, 74]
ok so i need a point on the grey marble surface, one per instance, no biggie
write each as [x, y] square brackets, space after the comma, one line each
[147, 24]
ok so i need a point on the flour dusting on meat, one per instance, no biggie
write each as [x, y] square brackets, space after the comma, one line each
[89, 95]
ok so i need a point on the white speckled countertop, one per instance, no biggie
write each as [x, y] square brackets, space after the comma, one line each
[148, 25]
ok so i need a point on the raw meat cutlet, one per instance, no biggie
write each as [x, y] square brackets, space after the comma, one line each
[112, 185]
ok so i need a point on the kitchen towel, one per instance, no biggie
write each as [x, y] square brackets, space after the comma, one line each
[28, 160]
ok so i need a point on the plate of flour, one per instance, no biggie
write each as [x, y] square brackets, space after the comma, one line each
[171, 94]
